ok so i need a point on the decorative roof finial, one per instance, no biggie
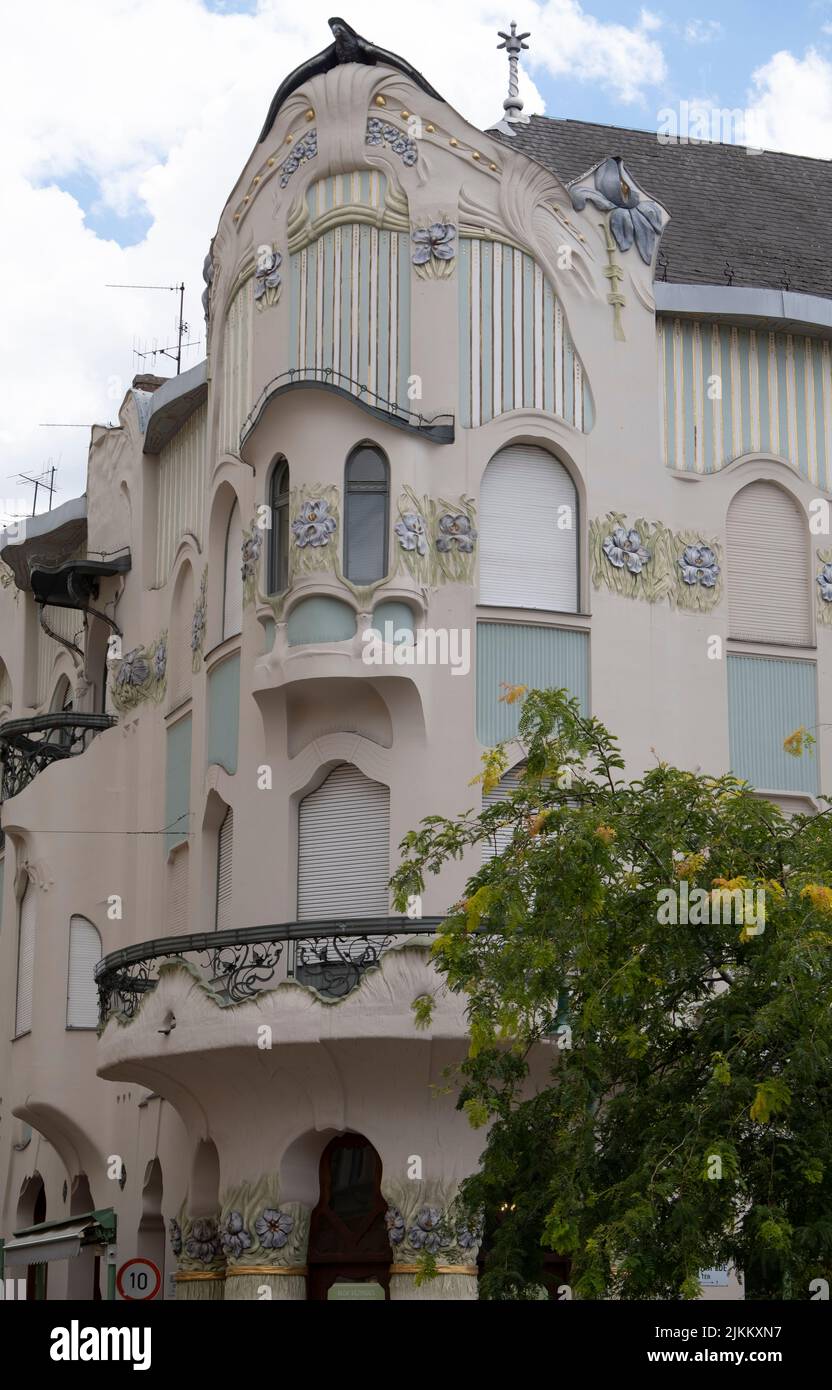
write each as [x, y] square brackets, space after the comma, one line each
[513, 106]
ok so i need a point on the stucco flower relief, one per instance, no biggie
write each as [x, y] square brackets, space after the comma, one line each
[134, 669]
[383, 133]
[175, 1231]
[427, 1233]
[234, 1236]
[633, 218]
[455, 533]
[267, 278]
[698, 565]
[625, 547]
[305, 149]
[314, 526]
[825, 582]
[203, 1242]
[394, 1221]
[252, 546]
[160, 659]
[412, 532]
[274, 1228]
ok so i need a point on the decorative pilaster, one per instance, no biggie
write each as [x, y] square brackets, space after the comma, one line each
[196, 1245]
[265, 1243]
[434, 1242]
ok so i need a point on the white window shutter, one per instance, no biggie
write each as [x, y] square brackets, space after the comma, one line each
[526, 559]
[344, 848]
[82, 991]
[26, 961]
[232, 617]
[180, 652]
[225, 841]
[502, 838]
[768, 579]
[177, 905]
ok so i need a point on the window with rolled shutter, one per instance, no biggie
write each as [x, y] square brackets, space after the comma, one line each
[177, 904]
[501, 838]
[25, 962]
[232, 611]
[225, 840]
[769, 587]
[82, 992]
[344, 848]
[528, 532]
[180, 653]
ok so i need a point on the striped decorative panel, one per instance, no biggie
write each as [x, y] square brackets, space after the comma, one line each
[541, 658]
[351, 308]
[363, 186]
[236, 369]
[515, 348]
[68, 623]
[768, 698]
[776, 397]
[181, 490]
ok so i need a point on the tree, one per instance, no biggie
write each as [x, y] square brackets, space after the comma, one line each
[672, 938]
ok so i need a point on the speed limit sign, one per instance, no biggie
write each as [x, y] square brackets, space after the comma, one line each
[138, 1279]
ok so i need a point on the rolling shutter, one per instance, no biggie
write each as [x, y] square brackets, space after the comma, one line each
[177, 913]
[232, 613]
[180, 653]
[344, 848]
[768, 567]
[25, 962]
[225, 840]
[526, 559]
[82, 992]
[502, 839]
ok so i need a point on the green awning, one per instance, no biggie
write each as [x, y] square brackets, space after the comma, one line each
[60, 1240]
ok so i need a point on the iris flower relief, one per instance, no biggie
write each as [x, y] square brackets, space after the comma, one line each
[632, 217]
[625, 547]
[698, 565]
[274, 1228]
[314, 526]
[436, 240]
[455, 533]
[412, 532]
[825, 582]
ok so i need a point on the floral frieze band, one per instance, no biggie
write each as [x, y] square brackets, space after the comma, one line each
[257, 1229]
[139, 675]
[436, 538]
[824, 587]
[383, 133]
[424, 1219]
[646, 560]
[305, 149]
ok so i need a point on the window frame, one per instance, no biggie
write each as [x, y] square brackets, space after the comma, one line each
[367, 489]
[279, 499]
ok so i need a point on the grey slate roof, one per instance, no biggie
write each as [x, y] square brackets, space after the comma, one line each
[738, 218]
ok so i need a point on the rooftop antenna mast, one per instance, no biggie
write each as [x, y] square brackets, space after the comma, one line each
[512, 106]
[174, 353]
[39, 481]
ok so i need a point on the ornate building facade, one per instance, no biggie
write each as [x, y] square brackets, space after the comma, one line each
[556, 393]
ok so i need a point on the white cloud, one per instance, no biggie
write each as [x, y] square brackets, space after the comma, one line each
[702, 30]
[790, 105]
[158, 103]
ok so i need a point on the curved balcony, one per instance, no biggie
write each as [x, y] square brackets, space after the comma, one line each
[330, 957]
[27, 746]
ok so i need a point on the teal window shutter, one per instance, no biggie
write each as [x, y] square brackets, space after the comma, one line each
[768, 698]
[224, 713]
[178, 784]
[539, 657]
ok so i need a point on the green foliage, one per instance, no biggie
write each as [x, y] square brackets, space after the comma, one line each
[688, 1121]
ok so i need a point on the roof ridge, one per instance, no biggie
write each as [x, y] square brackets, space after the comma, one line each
[676, 140]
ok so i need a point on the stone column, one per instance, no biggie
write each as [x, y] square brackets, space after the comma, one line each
[265, 1243]
[201, 1273]
[425, 1223]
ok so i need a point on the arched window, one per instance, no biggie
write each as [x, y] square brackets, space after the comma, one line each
[366, 507]
[225, 842]
[344, 847]
[528, 532]
[25, 962]
[769, 586]
[82, 992]
[279, 537]
[180, 652]
[232, 603]
[502, 837]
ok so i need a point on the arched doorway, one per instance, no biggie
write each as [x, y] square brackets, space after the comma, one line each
[31, 1211]
[347, 1234]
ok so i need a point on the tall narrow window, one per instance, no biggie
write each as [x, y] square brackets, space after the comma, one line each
[344, 847]
[279, 538]
[25, 962]
[225, 840]
[232, 608]
[768, 567]
[82, 992]
[366, 515]
[528, 532]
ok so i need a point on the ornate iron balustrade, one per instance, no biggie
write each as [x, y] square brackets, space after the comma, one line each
[27, 746]
[235, 965]
[439, 429]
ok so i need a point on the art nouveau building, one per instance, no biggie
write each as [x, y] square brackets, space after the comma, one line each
[557, 391]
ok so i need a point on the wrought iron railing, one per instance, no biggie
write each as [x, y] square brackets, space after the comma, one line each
[330, 957]
[437, 428]
[27, 746]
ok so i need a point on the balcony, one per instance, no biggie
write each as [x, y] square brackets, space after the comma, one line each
[27, 746]
[330, 957]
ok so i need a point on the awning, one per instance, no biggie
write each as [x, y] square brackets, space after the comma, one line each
[59, 1240]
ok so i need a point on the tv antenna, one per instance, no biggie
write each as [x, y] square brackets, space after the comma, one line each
[175, 353]
[40, 481]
